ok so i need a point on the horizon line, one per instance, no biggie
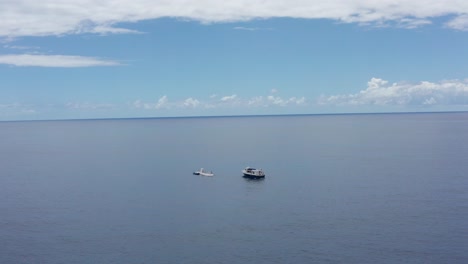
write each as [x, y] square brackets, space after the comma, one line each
[232, 116]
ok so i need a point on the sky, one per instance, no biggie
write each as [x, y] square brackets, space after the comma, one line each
[79, 59]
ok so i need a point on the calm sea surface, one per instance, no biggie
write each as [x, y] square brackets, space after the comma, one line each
[390, 188]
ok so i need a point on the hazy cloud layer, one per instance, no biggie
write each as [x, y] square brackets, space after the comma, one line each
[15, 109]
[380, 92]
[54, 61]
[222, 102]
[89, 106]
[252, 28]
[59, 17]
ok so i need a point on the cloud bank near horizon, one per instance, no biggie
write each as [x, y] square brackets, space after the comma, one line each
[380, 92]
[405, 96]
[228, 101]
[57, 17]
[15, 110]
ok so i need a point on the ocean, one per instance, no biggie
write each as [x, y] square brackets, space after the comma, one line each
[366, 188]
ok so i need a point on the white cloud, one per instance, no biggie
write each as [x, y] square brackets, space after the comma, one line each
[228, 98]
[261, 101]
[266, 101]
[54, 61]
[16, 47]
[276, 100]
[256, 101]
[190, 102]
[105, 30]
[460, 22]
[379, 92]
[137, 104]
[430, 101]
[251, 28]
[413, 23]
[162, 102]
[58, 17]
[245, 28]
[298, 101]
[231, 101]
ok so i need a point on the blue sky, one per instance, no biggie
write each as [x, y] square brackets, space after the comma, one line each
[140, 58]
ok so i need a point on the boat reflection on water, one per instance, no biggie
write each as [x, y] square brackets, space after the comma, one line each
[253, 180]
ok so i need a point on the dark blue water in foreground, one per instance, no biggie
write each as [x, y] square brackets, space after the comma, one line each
[339, 189]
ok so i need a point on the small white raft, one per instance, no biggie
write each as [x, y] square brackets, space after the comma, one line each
[202, 172]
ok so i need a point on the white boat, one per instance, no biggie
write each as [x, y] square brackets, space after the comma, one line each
[250, 172]
[202, 172]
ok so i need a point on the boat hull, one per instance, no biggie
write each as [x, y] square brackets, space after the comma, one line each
[250, 176]
[202, 172]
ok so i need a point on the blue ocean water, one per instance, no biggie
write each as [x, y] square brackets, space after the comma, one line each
[379, 188]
